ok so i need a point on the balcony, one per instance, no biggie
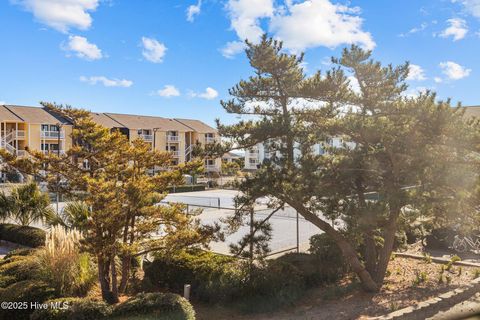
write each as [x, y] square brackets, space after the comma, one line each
[21, 134]
[146, 137]
[171, 138]
[52, 134]
[210, 167]
[174, 153]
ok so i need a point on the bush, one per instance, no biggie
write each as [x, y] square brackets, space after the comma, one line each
[165, 306]
[24, 235]
[441, 238]
[17, 268]
[24, 291]
[73, 309]
[213, 277]
[330, 263]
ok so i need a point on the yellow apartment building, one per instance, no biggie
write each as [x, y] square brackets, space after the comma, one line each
[34, 128]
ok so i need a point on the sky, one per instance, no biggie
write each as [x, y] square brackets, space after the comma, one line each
[178, 58]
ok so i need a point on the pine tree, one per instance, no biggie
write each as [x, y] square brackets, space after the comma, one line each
[398, 153]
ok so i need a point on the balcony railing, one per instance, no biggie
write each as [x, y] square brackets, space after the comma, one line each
[174, 153]
[21, 153]
[146, 137]
[211, 167]
[171, 138]
[52, 134]
[21, 134]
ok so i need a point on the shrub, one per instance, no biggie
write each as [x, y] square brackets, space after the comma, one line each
[330, 263]
[73, 309]
[213, 277]
[163, 305]
[440, 238]
[24, 235]
[17, 268]
[18, 252]
[62, 265]
[24, 291]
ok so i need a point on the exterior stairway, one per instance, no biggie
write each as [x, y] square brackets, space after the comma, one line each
[6, 142]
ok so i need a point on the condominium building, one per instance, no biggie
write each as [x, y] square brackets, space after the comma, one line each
[24, 128]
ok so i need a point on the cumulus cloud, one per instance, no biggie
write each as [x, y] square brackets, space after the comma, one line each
[82, 48]
[415, 92]
[233, 48]
[314, 23]
[61, 15]
[437, 80]
[168, 91]
[245, 17]
[153, 50]
[471, 6]
[300, 24]
[416, 73]
[457, 29]
[209, 94]
[107, 82]
[454, 71]
[194, 10]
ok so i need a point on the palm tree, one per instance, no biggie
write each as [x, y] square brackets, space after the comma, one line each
[74, 216]
[26, 204]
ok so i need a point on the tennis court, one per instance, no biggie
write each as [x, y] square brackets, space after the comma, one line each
[217, 204]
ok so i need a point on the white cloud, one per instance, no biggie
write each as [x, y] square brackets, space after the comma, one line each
[82, 48]
[193, 11]
[457, 29]
[232, 48]
[314, 23]
[61, 14]
[107, 82]
[168, 91]
[416, 73]
[2, 102]
[153, 50]
[414, 30]
[437, 80]
[472, 6]
[245, 17]
[454, 71]
[415, 92]
[209, 94]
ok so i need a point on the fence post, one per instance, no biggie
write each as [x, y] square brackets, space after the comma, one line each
[298, 234]
[186, 291]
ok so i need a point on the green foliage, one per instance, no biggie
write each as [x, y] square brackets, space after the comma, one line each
[476, 273]
[26, 204]
[73, 216]
[165, 306]
[420, 277]
[427, 258]
[24, 235]
[24, 291]
[451, 262]
[220, 279]
[73, 309]
[17, 268]
[331, 265]
[213, 277]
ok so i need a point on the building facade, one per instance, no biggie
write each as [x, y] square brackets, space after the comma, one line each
[32, 128]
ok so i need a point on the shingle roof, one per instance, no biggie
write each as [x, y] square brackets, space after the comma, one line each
[147, 122]
[105, 120]
[34, 115]
[197, 125]
[7, 115]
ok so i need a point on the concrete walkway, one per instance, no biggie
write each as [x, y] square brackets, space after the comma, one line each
[468, 309]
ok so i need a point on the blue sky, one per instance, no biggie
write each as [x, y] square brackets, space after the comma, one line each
[177, 58]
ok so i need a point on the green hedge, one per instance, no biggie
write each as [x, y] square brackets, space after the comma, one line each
[187, 188]
[26, 291]
[15, 269]
[73, 309]
[24, 235]
[164, 306]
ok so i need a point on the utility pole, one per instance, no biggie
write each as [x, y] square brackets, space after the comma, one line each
[59, 128]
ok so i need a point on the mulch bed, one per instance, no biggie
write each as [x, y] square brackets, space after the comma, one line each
[409, 281]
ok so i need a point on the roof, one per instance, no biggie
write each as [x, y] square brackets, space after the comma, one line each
[105, 120]
[232, 155]
[35, 115]
[197, 125]
[472, 111]
[7, 115]
[147, 122]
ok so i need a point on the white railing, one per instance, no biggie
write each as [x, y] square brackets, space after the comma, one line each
[171, 138]
[55, 152]
[146, 137]
[21, 134]
[21, 153]
[52, 134]
[175, 154]
[211, 167]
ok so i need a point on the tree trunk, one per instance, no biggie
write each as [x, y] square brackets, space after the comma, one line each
[114, 280]
[386, 251]
[125, 273]
[370, 252]
[348, 251]
[104, 279]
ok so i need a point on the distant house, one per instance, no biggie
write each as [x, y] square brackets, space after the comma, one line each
[230, 157]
